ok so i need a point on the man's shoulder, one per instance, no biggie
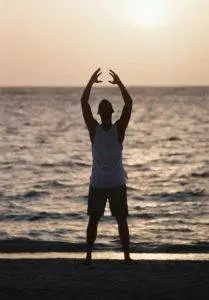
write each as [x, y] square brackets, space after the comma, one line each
[119, 124]
[92, 125]
[92, 130]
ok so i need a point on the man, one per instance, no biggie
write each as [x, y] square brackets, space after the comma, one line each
[108, 178]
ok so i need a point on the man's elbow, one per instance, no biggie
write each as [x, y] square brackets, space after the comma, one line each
[129, 101]
[83, 103]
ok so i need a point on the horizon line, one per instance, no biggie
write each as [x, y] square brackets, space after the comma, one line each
[105, 86]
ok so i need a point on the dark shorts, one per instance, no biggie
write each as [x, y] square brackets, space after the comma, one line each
[117, 197]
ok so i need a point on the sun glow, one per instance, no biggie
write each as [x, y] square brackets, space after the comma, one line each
[147, 13]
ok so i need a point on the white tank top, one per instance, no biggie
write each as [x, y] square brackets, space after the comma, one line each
[107, 168]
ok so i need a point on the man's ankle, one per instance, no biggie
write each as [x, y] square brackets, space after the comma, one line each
[126, 255]
[88, 255]
[89, 251]
[88, 260]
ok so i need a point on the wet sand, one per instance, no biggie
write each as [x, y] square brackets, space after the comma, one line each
[106, 279]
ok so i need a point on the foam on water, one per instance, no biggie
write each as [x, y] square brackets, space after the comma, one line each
[109, 256]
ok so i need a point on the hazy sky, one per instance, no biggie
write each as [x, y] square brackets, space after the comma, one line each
[61, 42]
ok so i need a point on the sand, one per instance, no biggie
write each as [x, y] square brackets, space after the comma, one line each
[106, 279]
[51, 270]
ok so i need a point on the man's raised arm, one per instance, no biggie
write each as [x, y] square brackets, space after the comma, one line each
[86, 109]
[127, 109]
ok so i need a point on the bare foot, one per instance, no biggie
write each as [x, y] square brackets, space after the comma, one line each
[129, 261]
[88, 261]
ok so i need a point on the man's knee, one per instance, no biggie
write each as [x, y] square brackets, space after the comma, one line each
[94, 220]
[121, 219]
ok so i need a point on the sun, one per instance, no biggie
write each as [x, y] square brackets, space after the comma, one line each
[147, 13]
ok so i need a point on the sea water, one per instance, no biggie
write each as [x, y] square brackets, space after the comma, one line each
[45, 164]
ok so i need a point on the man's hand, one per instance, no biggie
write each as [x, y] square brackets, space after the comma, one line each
[94, 77]
[116, 79]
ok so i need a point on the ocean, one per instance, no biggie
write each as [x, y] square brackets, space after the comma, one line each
[45, 164]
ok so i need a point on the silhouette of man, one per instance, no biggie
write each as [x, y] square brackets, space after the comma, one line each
[108, 177]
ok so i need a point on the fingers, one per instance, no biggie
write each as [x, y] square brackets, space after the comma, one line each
[114, 76]
[116, 79]
[95, 73]
[112, 72]
[97, 77]
[111, 75]
[97, 70]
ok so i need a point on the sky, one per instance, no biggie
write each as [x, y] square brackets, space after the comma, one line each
[61, 42]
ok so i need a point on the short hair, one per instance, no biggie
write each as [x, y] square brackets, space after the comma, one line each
[105, 106]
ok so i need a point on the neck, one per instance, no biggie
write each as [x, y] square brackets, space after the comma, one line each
[107, 123]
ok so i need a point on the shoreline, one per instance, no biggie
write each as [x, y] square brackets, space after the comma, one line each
[20, 245]
[106, 255]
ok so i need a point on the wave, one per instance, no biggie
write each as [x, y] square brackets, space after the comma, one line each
[204, 174]
[179, 195]
[139, 167]
[65, 164]
[27, 245]
[133, 165]
[34, 194]
[173, 161]
[160, 215]
[5, 164]
[146, 216]
[173, 138]
[200, 247]
[52, 183]
[129, 188]
[30, 195]
[48, 165]
[179, 154]
[82, 164]
[57, 164]
[40, 216]
[179, 229]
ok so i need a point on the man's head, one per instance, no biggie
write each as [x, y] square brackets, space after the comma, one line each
[105, 108]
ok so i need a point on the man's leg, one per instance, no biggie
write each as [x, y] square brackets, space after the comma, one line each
[124, 235]
[91, 235]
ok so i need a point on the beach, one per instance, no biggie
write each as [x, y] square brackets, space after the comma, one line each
[71, 279]
[55, 270]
